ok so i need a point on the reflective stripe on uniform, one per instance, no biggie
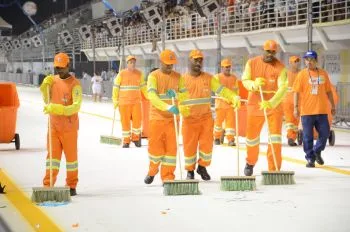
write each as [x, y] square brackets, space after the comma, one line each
[169, 160]
[217, 128]
[152, 90]
[205, 156]
[154, 159]
[276, 138]
[252, 142]
[196, 101]
[129, 87]
[219, 89]
[72, 166]
[190, 160]
[136, 131]
[126, 133]
[230, 131]
[55, 164]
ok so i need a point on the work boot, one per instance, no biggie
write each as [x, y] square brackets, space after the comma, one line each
[72, 192]
[203, 172]
[149, 179]
[137, 143]
[248, 170]
[231, 143]
[126, 145]
[292, 143]
[319, 159]
[217, 142]
[190, 175]
[310, 163]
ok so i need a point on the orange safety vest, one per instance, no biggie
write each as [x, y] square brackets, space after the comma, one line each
[230, 83]
[130, 87]
[271, 72]
[289, 98]
[164, 82]
[199, 90]
[61, 93]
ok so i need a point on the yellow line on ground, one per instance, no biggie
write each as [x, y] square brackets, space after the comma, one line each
[96, 115]
[302, 162]
[35, 216]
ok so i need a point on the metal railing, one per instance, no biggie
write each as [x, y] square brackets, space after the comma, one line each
[234, 19]
[342, 116]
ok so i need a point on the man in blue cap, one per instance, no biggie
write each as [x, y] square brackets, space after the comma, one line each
[314, 87]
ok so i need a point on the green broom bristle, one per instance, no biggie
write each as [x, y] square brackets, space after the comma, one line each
[278, 178]
[108, 139]
[238, 183]
[57, 194]
[181, 187]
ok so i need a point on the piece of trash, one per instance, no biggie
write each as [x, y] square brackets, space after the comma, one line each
[75, 225]
[52, 204]
[163, 212]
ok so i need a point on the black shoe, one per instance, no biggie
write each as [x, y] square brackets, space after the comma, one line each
[319, 159]
[72, 192]
[190, 175]
[203, 172]
[126, 145]
[231, 143]
[248, 170]
[292, 143]
[137, 143]
[149, 179]
[310, 163]
[217, 142]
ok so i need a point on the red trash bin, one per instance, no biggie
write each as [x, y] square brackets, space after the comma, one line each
[9, 104]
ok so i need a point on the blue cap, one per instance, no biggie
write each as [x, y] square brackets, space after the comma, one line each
[310, 54]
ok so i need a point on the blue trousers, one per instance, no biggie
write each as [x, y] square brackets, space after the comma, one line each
[320, 122]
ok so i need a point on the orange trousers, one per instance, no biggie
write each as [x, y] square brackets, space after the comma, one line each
[66, 142]
[227, 115]
[197, 135]
[162, 149]
[254, 126]
[292, 123]
[130, 114]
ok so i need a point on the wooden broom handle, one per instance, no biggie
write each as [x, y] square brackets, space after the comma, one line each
[50, 139]
[113, 121]
[177, 139]
[268, 131]
[237, 141]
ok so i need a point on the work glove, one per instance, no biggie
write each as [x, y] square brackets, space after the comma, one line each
[236, 102]
[259, 82]
[52, 108]
[48, 80]
[264, 105]
[173, 109]
[184, 111]
[115, 104]
[171, 93]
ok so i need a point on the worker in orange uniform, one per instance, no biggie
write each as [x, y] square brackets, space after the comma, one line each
[288, 103]
[63, 107]
[197, 128]
[127, 95]
[223, 109]
[314, 87]
[269, 73]
[164, 84]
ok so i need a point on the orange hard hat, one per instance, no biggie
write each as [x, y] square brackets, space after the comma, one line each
[168, 57]
[294, 59]
[61, 60]
[196, 54]
[270, 45]
[226, 63]
[130, 58]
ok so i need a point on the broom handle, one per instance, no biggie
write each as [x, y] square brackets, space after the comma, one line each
[237, 141]
[177, 139]
[268, 131]
[113, 122]
[50, 133]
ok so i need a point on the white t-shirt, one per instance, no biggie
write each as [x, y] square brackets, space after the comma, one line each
[96, 80]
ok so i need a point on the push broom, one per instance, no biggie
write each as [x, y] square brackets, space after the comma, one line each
[180, 187]
[110, 139]
[237, 183]
[57, 194]
[274, 177]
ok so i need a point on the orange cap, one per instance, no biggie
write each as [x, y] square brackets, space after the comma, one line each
[61, 60]
[196, 54]
[226, 63]
[294, 59]
[168, 57]
[130, 58]
[270, 45]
